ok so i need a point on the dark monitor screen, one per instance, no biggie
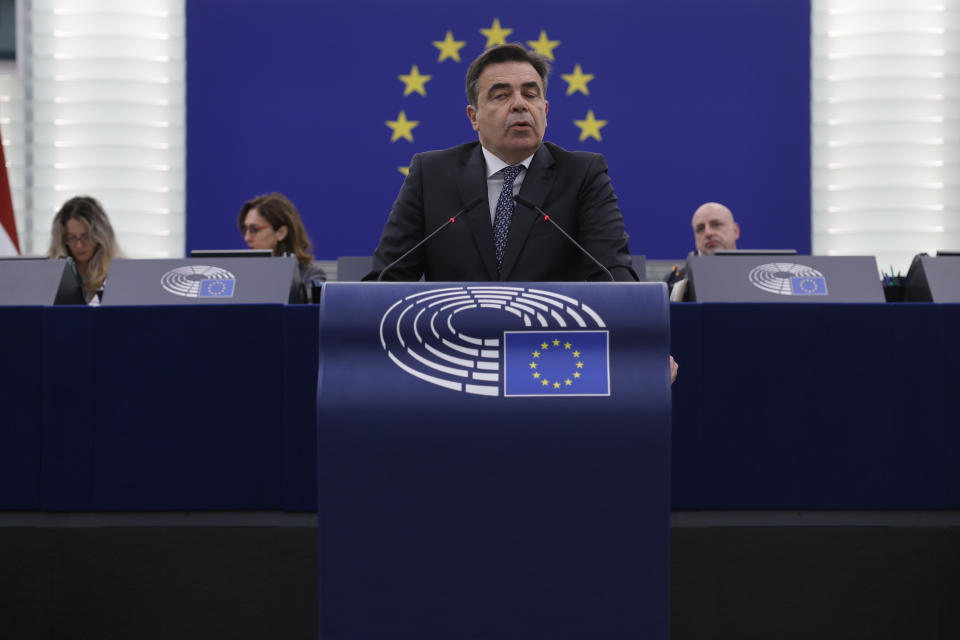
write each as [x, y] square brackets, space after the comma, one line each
[755, 252]
[231, 253]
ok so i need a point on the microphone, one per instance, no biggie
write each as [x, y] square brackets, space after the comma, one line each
[530, 205]
[470, 205]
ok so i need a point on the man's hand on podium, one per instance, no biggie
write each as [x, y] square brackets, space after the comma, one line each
[674, 370]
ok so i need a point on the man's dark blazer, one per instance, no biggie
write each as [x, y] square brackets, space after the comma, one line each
[573, 188]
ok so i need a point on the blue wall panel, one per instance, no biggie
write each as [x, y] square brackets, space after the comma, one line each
[704, 101]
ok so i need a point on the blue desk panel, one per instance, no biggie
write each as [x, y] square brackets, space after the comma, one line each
[21, 399]
[950, 388]
[166, 409]
[809, 407]
[777, 407]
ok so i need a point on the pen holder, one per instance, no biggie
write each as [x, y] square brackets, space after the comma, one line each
[893, 292]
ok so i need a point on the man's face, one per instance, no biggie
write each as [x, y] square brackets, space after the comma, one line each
[511, 112]
[714, 228]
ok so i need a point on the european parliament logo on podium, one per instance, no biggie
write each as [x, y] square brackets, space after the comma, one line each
[788, 279]
[499, 341]
[199, 281]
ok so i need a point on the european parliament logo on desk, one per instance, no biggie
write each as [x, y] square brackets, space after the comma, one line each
[499, 341]
[788, 279]
[199, 281]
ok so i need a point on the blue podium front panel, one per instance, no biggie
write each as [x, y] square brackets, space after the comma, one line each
[494, 461]
[21, 395]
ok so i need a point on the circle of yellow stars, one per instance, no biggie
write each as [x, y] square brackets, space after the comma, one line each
[415, 82]
[556, 384]
[217, 288]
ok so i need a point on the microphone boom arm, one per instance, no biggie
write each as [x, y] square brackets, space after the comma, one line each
[470, 205]
[533, 207]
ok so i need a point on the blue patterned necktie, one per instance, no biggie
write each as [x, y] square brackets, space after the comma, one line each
[504, 215]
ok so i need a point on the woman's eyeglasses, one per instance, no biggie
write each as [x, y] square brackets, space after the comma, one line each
[253, 229]
[71, 239]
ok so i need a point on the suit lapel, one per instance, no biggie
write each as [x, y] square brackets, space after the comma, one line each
[471, 175]
[536, 185]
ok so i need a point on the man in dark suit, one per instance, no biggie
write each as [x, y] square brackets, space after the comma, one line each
[500, 239]
[506, 240]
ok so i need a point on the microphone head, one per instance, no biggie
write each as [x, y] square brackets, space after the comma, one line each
[529, 205]
[524, 202]
[470, 205]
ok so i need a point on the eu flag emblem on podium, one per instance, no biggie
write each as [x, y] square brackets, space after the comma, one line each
[809, 286]
[556, 363]
[216, 289]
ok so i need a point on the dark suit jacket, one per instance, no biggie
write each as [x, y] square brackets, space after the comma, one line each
[573, 188]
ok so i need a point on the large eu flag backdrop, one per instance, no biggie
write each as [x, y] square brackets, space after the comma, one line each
[690, 100]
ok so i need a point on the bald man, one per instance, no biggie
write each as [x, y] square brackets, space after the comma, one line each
[714, 229]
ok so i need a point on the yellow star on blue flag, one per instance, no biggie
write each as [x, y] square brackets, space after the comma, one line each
[590, 126]
[544, 45]
[495, 34]
[402, 128]
[414, 82]
[449, 48]
[577, 81]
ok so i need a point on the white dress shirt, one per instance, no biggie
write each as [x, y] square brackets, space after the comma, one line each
[495, 179]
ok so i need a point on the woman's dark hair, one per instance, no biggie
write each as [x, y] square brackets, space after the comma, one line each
[280, 212]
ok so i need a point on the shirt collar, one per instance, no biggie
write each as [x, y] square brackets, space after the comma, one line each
[495, 164]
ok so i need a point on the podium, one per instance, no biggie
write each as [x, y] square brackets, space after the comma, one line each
[37, 281]
[203, 281]
[933, 279]
[493, 461]
[784, 278]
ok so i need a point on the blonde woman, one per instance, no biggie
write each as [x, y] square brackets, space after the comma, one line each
[82, 231]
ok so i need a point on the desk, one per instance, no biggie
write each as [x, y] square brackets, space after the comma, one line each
[212, 408]
[816, 406]
[163, 408]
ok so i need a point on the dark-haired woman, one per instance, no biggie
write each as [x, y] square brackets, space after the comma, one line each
[272, 222]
